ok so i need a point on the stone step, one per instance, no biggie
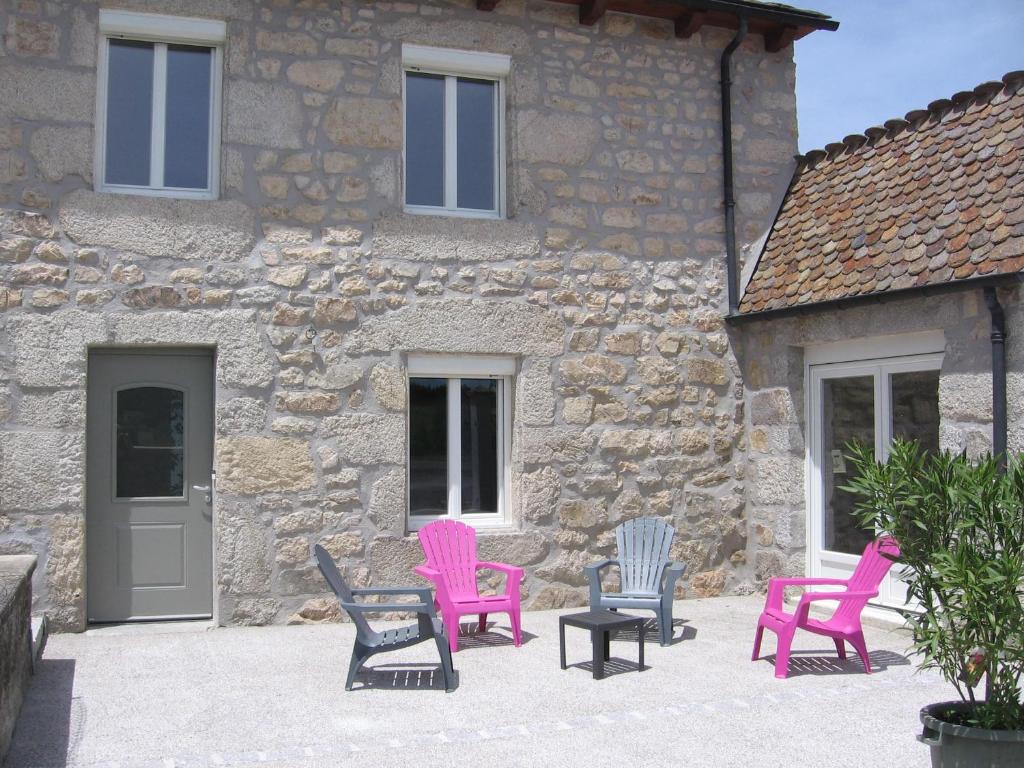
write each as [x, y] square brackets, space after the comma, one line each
[40, 631]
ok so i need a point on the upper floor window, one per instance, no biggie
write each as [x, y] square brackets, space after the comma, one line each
[454, 131]
[158, 130]
[459, 439]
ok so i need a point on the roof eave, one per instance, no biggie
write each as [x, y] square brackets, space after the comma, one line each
[845, 302]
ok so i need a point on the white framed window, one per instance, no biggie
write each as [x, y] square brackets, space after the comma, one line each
[460, 413]
[454, 127]
[159, 103]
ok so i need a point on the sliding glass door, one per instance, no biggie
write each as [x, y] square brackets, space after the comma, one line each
[873, 402]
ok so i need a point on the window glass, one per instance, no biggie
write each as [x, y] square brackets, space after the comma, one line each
[150, 442]
[479, 445]
[129, 112]
[849, 414]
[915, 408]
[475, 141]
[428, 446]
[424, 139]
[187, 147]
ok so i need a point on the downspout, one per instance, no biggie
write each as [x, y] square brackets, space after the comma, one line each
[998, 339]
[731, 262]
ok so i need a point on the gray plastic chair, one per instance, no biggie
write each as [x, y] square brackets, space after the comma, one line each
[369, 642]
[648, 577]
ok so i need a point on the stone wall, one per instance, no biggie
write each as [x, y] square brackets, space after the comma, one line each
[772, 355]
[15, 641]
[606, 280]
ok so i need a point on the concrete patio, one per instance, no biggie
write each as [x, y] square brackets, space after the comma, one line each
[176, 696]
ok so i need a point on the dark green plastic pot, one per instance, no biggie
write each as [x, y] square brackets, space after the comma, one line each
[960, 746]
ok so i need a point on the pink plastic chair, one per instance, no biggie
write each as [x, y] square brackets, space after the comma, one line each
[450, 548]
[844, 625]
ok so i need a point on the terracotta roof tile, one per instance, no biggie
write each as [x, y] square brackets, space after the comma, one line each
[928, 199]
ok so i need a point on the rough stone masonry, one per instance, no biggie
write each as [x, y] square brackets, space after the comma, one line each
[606, 281]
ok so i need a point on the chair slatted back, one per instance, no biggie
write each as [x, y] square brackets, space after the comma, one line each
[337, 582]
[868, 575]
[450, 548]
[644, 545]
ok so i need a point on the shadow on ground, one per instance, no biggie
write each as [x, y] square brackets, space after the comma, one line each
[814, 663]
[470, 636]
[405, 677]
[51, 720]
[681, 631]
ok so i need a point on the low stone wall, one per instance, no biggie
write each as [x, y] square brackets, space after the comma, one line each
[15, 640]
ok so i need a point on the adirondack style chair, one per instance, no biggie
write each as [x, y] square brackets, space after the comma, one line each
[844, 625]
[450, 549]
[647, 576]
[368, 642]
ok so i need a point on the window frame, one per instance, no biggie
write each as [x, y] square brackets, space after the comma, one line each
[453, 64]
[454, 369]
[161, 30]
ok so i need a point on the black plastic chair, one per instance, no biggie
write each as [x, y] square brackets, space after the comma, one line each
[369, 642]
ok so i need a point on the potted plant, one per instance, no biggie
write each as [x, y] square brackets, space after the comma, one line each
[960, 528]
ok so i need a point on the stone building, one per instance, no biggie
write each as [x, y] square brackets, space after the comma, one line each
[276, 273]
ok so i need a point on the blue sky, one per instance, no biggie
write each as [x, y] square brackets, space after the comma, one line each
[891, 56]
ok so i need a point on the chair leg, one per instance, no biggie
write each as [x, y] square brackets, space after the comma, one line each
[665, 624]
[840, 647]
[782, 653]
[447, 672]
[517, 631]
[359, 655]
[857, 641]
[757, 643]
[451, 626]
[483, 622]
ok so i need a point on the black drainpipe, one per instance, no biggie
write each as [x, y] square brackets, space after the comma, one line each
[998, 338]
[731, 262]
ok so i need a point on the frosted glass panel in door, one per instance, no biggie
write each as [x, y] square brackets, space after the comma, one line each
[848, 413]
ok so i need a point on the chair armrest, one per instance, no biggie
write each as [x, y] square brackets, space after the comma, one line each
[382, 607]
[427, 573]
[811, 597]
[422, 592]
[672, 572]
[511, 570]
[593, 572]
[513, 575]
[777, 586]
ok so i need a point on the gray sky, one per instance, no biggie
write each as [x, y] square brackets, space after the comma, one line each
[891, 56]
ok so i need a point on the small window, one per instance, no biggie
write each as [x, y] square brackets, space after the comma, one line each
[159, 105]
[454, 108]
[458, 440]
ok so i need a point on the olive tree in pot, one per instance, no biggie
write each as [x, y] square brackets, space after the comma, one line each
[960, 528]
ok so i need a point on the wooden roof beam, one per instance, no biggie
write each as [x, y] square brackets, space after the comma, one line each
[689, 23]
[591, 11]
[779, 37]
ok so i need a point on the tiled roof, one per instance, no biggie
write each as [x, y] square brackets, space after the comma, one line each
[930, 199]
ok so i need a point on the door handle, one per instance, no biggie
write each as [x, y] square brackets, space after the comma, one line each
[204, 489]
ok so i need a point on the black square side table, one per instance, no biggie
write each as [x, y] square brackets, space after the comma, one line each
[601, 624]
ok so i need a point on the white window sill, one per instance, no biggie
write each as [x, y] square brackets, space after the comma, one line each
[461, 213]
[177, 194]
[490, 526]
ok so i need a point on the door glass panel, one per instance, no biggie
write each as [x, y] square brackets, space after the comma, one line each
[428, 446]
[848, 414]
[915, 408]
[150, 443]
[479, 445]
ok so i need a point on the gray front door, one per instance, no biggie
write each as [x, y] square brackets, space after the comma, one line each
[149, 514]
